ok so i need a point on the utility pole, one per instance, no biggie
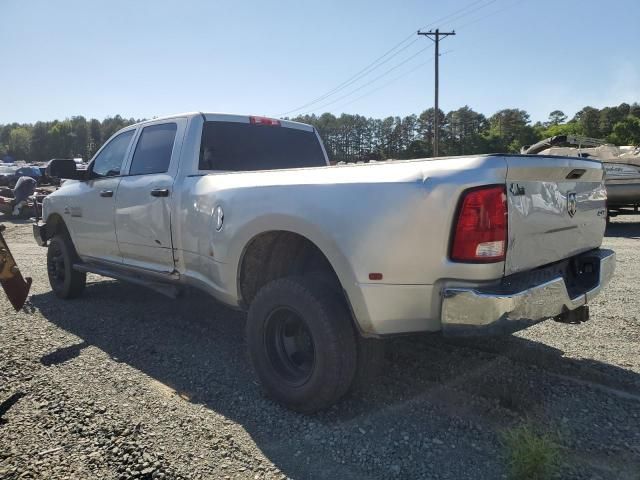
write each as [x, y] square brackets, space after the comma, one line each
[435, 36]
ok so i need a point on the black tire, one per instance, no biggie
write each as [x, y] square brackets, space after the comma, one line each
[370, 351]
[64, 280]
[302, 344]
[370, 363]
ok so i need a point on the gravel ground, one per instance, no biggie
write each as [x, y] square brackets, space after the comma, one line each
[124, 383]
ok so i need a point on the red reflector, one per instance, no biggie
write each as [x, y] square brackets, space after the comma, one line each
[481, 230]
[270, 122]
[375, 276]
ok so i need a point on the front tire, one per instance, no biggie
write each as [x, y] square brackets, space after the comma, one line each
[302, 344]
[64, 280]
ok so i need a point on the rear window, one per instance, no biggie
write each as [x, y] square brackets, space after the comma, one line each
[234, 146]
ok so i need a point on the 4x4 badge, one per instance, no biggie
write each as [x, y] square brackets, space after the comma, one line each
[572, 203]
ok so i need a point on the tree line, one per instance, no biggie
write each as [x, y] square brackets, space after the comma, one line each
[70, 138]
[353, 138]
[464, 131]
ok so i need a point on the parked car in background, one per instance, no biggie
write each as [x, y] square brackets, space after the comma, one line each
[7, 174]
[45, 178]
[28, 171]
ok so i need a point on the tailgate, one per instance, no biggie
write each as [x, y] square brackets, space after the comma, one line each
[557, 209]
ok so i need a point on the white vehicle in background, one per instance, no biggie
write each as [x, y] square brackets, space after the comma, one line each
[621, 166]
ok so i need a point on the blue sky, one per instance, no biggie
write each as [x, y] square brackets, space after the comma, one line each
[148, 58]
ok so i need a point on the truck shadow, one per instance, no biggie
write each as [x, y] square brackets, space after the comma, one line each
[623, 229]
[195, 346]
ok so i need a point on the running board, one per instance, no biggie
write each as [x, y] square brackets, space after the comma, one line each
[165, 288]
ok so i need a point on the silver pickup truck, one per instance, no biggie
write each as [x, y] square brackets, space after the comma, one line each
[325, 258]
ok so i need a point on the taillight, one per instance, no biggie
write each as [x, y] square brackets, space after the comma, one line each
[270, 122]
[480, 234]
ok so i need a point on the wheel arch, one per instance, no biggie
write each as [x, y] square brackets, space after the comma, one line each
[274, 254]
[55, 225]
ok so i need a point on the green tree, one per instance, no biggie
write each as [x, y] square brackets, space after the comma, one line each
[79, 137]
[556, 117]
[626, 132]
[60, 139]
[95, 137]
[463, 129]
[39, 142]
[19, 144]
[589, 120]
[609, 116]
[509, 130]
[570, 128]
[426, 126]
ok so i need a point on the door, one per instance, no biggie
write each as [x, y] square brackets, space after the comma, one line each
[90, 207]
[143, 203]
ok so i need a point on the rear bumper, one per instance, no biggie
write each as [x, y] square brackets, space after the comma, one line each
[500, 310]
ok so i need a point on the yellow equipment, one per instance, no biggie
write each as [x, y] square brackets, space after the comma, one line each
[15, 286]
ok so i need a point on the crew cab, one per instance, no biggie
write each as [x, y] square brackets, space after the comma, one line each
[326, 258]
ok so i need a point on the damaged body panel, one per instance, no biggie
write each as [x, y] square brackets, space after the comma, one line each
[557, 209]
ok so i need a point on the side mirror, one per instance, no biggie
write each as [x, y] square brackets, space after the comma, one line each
[64, 168]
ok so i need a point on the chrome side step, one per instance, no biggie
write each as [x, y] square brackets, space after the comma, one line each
[165, 288]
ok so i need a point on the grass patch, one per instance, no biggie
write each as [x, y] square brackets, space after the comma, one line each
[531, 455]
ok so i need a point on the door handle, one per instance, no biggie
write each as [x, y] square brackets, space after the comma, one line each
[160, 192]
[106, 193]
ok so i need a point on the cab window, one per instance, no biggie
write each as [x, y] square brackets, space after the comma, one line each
[153, 151]
[109, 161]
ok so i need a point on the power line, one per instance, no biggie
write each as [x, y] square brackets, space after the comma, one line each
[459, 13]
[490, 14]
[385, 73]
[462, 15]
[395, 50]
[354, 78]
[393, 80]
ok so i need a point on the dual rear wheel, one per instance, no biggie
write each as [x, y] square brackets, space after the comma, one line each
[303, 346]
